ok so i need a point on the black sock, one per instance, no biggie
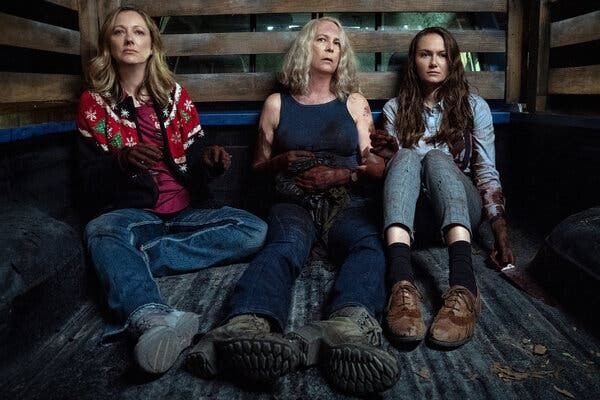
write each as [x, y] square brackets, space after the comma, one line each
[399, 266]
[461, 266]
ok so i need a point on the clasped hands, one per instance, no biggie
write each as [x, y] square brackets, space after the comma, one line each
[323, 177]
[145, 156]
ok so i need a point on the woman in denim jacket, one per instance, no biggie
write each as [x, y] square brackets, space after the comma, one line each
[439, 140]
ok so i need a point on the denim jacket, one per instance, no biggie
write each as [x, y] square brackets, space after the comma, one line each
[479, 154]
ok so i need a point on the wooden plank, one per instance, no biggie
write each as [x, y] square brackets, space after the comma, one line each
[89, 29]
[574, 80]
[104, 7]
[71, 4]
[539, 56]
[229, 87]
[25, 87]
[222, 7]
[23, 32]
[492, 41]
[583, 28]
[514, 53]
[257, 86]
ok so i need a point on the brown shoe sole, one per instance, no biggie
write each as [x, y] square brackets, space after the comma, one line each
[260, 359]
[402, 340]
[448, 345]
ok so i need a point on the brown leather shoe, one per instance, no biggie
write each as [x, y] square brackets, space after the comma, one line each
[403, 314]
[455, 322]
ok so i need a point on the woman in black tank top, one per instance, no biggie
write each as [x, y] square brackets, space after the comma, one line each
[314, 140]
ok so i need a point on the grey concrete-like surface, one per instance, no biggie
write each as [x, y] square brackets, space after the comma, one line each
[73, 364]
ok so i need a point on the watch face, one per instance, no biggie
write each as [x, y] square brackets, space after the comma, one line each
[353, 176]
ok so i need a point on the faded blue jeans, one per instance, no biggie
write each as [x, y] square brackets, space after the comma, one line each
[436, 179]
[354, 243]
[130, 246]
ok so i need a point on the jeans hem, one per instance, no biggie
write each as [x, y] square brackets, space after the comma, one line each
[337, 307]
[257, 311]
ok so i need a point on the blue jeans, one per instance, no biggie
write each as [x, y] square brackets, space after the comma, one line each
[130, 246]
[436, 178]
[354, 243]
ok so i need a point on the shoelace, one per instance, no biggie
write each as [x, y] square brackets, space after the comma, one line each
[405, 293]
[370, 329]
[454, 298]
[150, 320]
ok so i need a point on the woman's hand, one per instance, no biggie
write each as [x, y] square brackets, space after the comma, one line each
[142, 156]
[216, 159]
[384, 145]
[322, 177]
[282, 162]
[372, 165]
[501, 254]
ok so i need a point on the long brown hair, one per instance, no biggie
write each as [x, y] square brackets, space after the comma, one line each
[454, 92]
[102, 75]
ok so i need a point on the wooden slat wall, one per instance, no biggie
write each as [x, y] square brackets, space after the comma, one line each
[24, 87]
[514, 39]
[539, 57]
[545, 81]
[22, 32]
[224, 7]
[254, 86]
[72, 4]
[574, 80]
[583, 28]
[491, 41]
[257, 86]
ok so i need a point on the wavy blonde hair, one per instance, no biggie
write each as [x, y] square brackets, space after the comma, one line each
[454, 92]
[103, 74]
[295, 72]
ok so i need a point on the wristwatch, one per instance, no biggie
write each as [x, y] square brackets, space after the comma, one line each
[353, 176]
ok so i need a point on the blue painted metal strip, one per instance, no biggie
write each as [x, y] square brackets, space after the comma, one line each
[29, 131]
[251, 117]
[208, 118]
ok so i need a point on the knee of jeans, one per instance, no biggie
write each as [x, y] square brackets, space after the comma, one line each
[434, 158]
[102, 226]
[290, 223]
[405, 157]
[369, 242]
[256, 234]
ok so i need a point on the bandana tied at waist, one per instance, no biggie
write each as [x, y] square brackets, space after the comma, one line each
[323, 206]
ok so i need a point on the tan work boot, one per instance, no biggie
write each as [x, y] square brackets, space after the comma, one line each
[347, 346]
[202, 358]
[455, 322]
[162, 336]
[403, 314]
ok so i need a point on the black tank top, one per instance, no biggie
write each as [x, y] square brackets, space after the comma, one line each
[326, 129]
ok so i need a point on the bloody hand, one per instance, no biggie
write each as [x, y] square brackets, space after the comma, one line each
[216, 159]
[282, 162]
[322, 177]
[384, 145]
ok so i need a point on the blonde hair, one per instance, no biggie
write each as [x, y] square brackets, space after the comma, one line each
[295, 72]
[102, 74]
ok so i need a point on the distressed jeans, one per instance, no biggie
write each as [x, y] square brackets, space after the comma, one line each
[129, 247]
[436, 180]
[354, 243]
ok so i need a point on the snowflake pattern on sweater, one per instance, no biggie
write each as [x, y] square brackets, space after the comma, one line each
[112, 126]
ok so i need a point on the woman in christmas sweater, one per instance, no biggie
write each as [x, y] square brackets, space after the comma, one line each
[144, 168]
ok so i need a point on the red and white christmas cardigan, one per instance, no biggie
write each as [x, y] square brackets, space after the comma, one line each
[112, 126]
